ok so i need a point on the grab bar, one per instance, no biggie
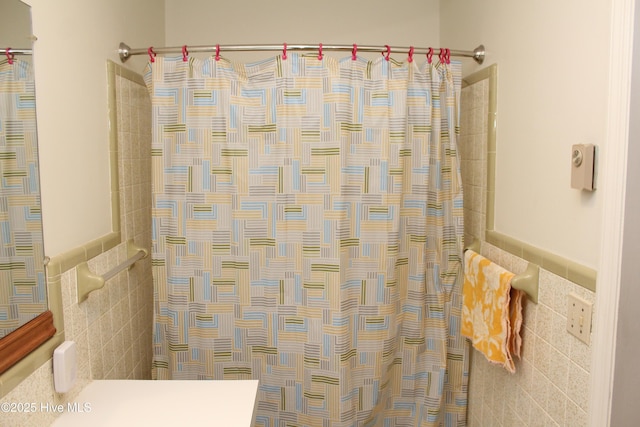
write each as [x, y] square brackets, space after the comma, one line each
[87, 282]
[527, 281]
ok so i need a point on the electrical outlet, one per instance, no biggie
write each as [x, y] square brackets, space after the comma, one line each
[579, 317]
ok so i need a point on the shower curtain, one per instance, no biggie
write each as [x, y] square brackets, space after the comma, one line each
[307, 232]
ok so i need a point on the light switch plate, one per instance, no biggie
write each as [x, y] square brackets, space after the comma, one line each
[579, 317]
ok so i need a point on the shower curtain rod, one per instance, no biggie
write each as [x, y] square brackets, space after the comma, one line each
[125, 51]
[15, 51]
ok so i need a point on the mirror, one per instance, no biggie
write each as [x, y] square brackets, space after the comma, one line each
[23, 291]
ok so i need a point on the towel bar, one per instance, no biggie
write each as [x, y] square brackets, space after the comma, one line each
[474, 246]
[87, 282]
[526, 281]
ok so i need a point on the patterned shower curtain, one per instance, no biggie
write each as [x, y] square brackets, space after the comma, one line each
[307, 232]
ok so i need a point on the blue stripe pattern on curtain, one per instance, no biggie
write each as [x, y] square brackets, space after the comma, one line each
[307, 232]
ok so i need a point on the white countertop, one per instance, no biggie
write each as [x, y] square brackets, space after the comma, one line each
[162, 403]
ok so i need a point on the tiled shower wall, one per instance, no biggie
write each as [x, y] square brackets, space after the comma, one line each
[551, 383]
[472, 146]
[118, 318]
[112, 328]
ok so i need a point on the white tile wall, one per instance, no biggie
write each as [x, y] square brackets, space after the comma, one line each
[551, 383]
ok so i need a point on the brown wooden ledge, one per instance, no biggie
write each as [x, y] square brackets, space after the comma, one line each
[25, 339]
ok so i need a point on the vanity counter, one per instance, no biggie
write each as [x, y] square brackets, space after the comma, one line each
[162, 403]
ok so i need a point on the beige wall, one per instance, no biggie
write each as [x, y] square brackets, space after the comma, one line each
[400, 23]
[75, 39]
[15, 25]
[552, 93]
[551, 383]
[112, 328]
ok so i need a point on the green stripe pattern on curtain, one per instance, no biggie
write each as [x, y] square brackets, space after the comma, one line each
[307, 232]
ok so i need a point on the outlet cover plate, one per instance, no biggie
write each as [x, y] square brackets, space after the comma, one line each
[579, 317]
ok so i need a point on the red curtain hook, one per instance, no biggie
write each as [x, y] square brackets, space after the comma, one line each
[354, 52]
[430, 55]
[10, 55]
[411, 54]
[320, 52]
[441, 57]
[217, 52]
[388, 52]
[447, 56]
[185, 53]
[152, 54]
[284, 51]
[444, 56]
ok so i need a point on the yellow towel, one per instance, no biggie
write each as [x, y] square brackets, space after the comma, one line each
[491, 310]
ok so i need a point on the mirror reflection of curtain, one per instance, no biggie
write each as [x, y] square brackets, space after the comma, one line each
[22, 280]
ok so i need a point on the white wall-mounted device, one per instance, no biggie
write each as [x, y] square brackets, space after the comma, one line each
[65, 366]
[583, 167]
